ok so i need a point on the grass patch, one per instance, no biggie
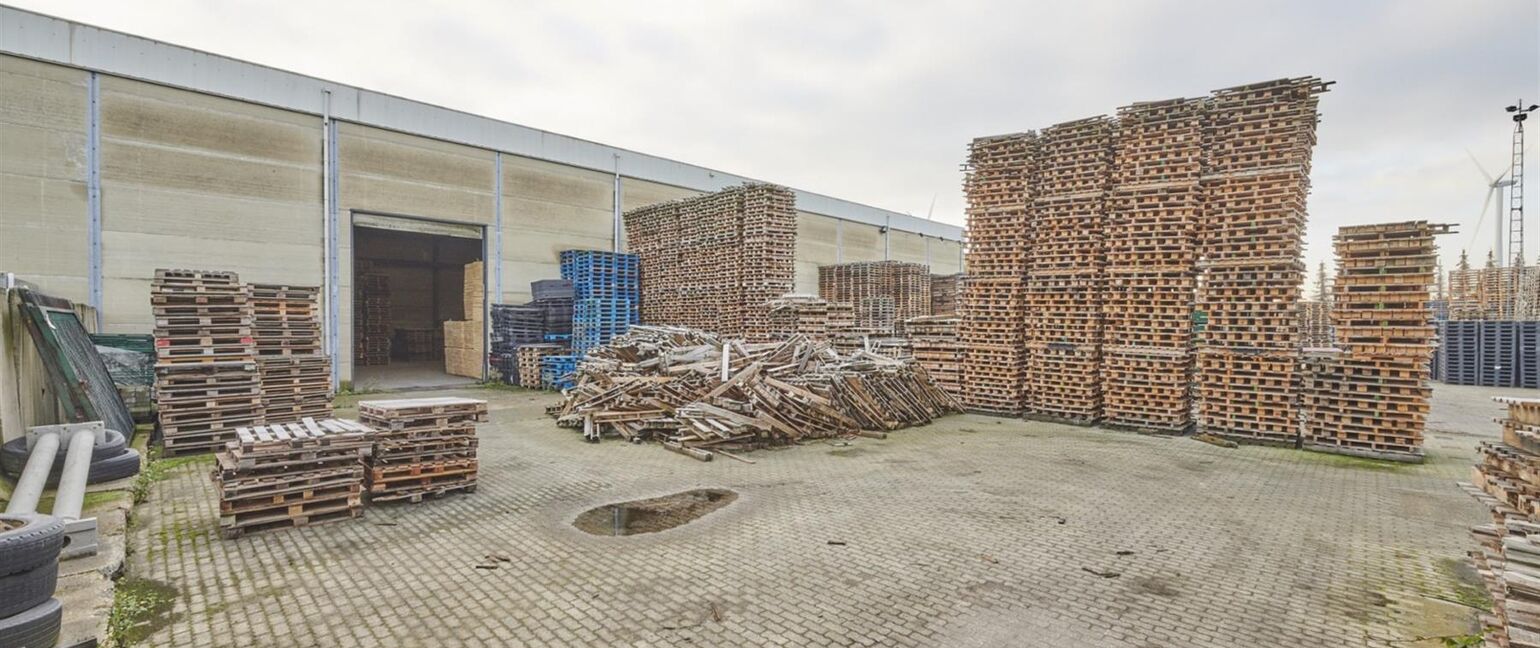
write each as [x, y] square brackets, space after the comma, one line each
[496, 385]
[140, 606]
[156, 469]
[1465, 584]
[1354, 463]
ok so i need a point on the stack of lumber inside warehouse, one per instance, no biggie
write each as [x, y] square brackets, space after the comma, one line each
[293, 474]
[1000, 173]
[1372, 400]
[883, 293]
[371, 319]
[206, 378]
[422, 446]
[1507, 481]
[465, 340]
[714, 262]
[1151, 252]
[935, 346]
[674, 385]
[1064, 271]
[296, 376]
[1257, 149]
[945, 294]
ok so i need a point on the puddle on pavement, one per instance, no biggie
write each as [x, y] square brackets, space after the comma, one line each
[653, 515]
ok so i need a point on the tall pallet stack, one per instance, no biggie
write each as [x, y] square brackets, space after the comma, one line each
[296, 376]
[1506, 480]
[1257, 150]
[999, 185]
[422, 446]
[1065, 272]
[945, 294]
[884, 293]
[1151, 253]
[291, 475]
[935, 346]
[606, 287]
[371, 320]
[1315, 324]
[1372, 400]
[206, 378]
[714, 262]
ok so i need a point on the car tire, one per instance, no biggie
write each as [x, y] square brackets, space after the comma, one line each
[35, 540]
[13, 455]
[36, 627]
[22, 591]
[125, 464]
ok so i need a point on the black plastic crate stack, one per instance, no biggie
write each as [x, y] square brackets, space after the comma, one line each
[606, 289]
[1488, 353]
[206, 378]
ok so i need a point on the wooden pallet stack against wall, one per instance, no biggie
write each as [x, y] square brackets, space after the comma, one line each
[206, 378]
[935, 346]
[945, 294]
[296, 376]
[1372, 400]
[791, 315]
[422, 446]
[999, 187]
[290, 475]
[884, 293]
[714, 262]
[1151, 253]
[1065, 271]
[371, 320]
[1257, 147]
[1506, 480]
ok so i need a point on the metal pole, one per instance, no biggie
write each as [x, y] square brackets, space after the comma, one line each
[72, 482]
[94, 191]
[29, 489]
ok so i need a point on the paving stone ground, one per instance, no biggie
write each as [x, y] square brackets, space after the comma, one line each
[973, 531]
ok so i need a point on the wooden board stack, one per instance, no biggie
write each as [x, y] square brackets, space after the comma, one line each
[1507, 481]
[465, 347]
[999, 187]
[296, 376]
[1151, 251]
[291, 475]
[1257, 146]
[1372, 400]
[936, 347]
[371, 320]
[945, 294]
[206, 378]
[883, 293]
[422, 446]
[715, 261]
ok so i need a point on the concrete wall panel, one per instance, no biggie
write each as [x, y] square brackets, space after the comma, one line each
[904, 246]
[945, 256]
[43, 211]
[816, 236]
[860, 243]
[548, 208]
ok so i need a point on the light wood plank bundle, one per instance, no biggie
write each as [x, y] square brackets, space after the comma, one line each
[697, 392]
[290, 475]
[1507, 481]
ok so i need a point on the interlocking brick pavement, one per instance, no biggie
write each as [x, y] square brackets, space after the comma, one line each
[975, 532]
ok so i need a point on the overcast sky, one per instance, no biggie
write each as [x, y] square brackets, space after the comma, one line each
[875, 102]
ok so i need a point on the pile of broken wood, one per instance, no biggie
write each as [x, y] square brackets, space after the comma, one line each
[700, 394]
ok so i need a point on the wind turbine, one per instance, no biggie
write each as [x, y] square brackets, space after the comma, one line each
[1494, 191]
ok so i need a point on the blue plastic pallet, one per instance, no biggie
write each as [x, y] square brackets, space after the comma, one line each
[557, 371]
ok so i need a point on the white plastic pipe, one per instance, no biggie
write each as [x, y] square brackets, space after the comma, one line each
[72, 482]
[34, 476]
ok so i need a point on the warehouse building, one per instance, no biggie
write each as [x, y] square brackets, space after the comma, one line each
[120, 155]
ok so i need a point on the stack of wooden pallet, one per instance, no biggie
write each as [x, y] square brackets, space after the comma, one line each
[999, 186]
[529, 356]
[1315, 324]
[206, 378]
[945, 294]
[371, 320]
[1151, 252]
[1507, 481]
[715, 261]
[296, 376]
[1065, 271]
[1494, 292]
[417, 345]
[936, 348]
[883, 293]
[290, 475]
[1372, 400]
[1257, 147]
[422, 446]
[791, 315]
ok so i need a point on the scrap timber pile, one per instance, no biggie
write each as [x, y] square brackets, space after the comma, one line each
[945, 294]
[1372, 400]
[713, 262]
[371, 320]
[671, 384]
[883, 293]
[206, 378]
[1257, 149]
[1507, 481]
[422, 446]
[1151, 256]
[934, 344]
[290, 475]
[999, 188]
[1064, 271]
[296, 376]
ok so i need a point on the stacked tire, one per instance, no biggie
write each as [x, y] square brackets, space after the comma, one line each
[110, 459]
[29, 571]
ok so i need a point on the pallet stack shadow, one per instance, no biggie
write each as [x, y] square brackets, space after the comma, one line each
[464, 340]
[371, 317]
[1506, 480]
[1257, 146]
[714, 262]
[296, 377]
[422, 446]
[1372, 399]
[1488, 353]
[935, 346]
[291, 475]
[945, 294]
[206, 378]
[524, 333]
[1065, 271]
[998, 183]
[1151, 255]
[883, 293]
